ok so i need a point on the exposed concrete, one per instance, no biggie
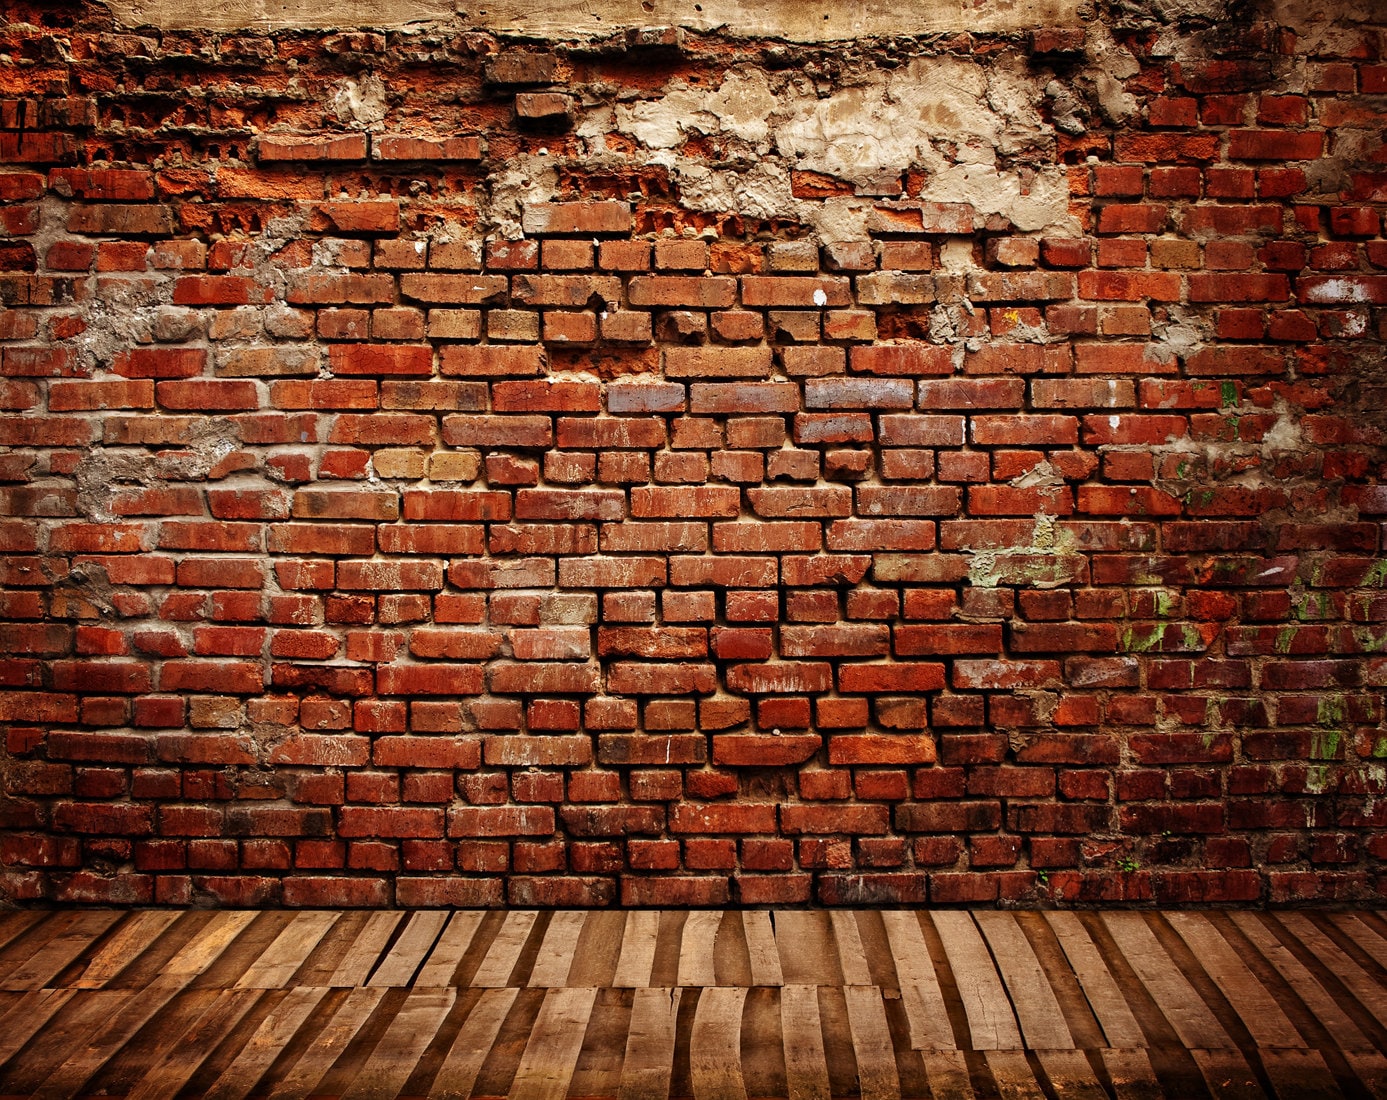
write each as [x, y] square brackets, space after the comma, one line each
[361, 104]
[973, 128]
[792, 20]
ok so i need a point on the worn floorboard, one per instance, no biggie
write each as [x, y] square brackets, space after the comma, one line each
[795, 1005]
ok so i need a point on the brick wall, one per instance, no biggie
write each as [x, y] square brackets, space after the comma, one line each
[665, 468]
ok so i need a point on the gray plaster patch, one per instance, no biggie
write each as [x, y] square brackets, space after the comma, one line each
[974, 129]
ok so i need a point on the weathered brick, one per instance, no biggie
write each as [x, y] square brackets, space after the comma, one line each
[272, 148]
[743, 397]
[393, 147]
[577, 218]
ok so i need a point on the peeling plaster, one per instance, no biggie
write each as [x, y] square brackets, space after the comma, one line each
[791, 20]
[958, 121]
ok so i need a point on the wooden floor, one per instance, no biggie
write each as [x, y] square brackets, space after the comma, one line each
[805, 1005]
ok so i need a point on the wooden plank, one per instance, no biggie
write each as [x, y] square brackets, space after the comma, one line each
[852, 957]
[804, 947]
[104, 1041]
[556, 950]
[1037, 1008]
[473, 1043]
[184, 1054]
[551, 1055]
[45, 927]
[598, 1072]
[1316, 998]
[877, 1077]
[715, 1045]
[806, 1067]
[397, 1054]
[1104, 997]
[990, 1019]
[14, 925]
[279, 962]
[328, 1045]
[1228, 1075]
[1013, 1076]
[1174, 996]
[127, 943]
[1070, 1074]
[275, 1032]
[919, 985]
[696, 948]
[409, 951]
[28, 1017]
[649, 1062]
[1267, 1024]
[762, 1045]
[1362, 933]
[947, 1073]
[75, 932]
[1371, 1070]
[203, 949]
[760, 945]
[596, 956]
[365, 951]
[637, 959]
[1299, 1075]
[504, 953]
[70, 1035]
[1222, 1065]
[1131, 1075]
[447, 953]
[1369, 993]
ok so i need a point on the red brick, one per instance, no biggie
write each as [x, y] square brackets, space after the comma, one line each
[122, 220]
[391, 360]
[1129, 286]
[705, 818]
[1274, 145]
[795, 293]
[1238, 288]
[1133, 218]
[762, 751]
[207, 395]
[160, 362]
[680, 502]
[490, 361]
[696, 292]
[570, 504]
[498, 431]
[576, 218]
[913, 360]
[219, 290]
[394, 147]
[743, 397]
[371, 216]
[286, 147]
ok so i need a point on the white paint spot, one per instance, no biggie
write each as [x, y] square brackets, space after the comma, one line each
[1113, 422]
[820, 298]
[1337, 290]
